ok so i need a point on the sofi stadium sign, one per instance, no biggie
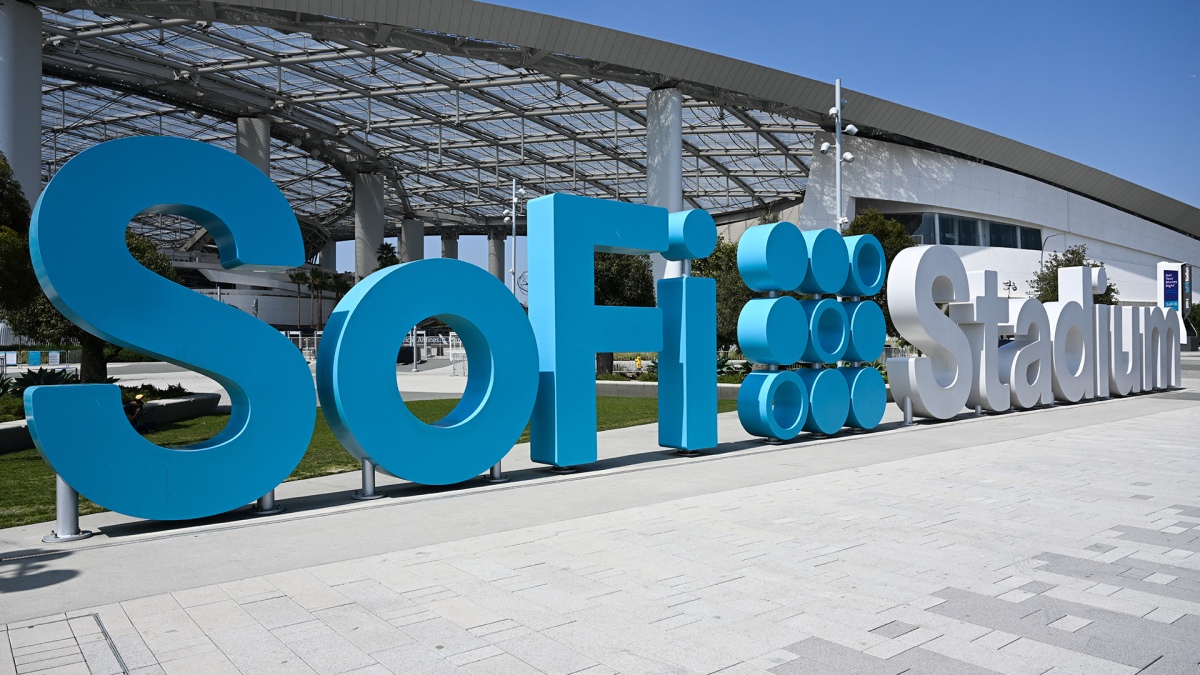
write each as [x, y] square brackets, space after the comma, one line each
[538, 368]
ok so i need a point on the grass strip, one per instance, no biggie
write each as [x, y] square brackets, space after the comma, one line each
[27, 483]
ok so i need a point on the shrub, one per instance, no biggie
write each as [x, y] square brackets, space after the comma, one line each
[42, 377]
[11, 408]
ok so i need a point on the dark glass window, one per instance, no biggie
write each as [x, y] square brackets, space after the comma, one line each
[949, 230]
[918, 225]
[1003, 235]
[1031, 238]
[968, 232]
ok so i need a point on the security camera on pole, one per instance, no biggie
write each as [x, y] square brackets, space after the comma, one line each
[510, 216]
[836, 113]
[496, 475]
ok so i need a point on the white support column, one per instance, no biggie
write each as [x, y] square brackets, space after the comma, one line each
[21, 94]
[368, 222]
[496, 255]
[450, 245]
[411, 242]
[254, 146]
[329, 257]
[664, 163]
[254, 141]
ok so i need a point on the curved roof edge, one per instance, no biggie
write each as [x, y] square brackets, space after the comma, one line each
[649, 62]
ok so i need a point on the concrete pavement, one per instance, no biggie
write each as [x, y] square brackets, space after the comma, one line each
[1062, 540]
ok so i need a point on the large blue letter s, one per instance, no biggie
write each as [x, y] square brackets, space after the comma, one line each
[77, 240]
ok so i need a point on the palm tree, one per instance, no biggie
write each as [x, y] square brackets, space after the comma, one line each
[386, 255]
[320, 283]
[314, 284]
[341, 284]
[300, 278]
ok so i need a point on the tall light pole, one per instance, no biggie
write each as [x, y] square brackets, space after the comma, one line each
[1042, 257]
[496, 474]
[510, 216]
[838, 156]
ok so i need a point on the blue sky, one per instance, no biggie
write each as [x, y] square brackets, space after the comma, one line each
[1114, 85]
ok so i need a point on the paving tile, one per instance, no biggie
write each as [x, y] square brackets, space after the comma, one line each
[204, 595]
[546, 655]
[1069, 623]
[39, 634]
[278, 612]
[444, 636]
[208, 663]
[363, 628]
[416, 659]
[814, 653]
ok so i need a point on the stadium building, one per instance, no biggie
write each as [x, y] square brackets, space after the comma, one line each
[410, 119]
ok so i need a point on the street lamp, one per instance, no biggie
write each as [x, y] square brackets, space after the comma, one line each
[836, 113]
[1042, 258]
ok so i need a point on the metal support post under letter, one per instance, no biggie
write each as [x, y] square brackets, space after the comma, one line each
[368, 483]
[66, 524]
[908, 420]
[497, 475]
[413, 339]
[267, 506]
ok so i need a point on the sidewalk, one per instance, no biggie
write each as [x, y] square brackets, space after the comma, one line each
[1061, 540]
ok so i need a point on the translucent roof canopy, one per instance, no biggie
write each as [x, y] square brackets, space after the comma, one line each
[451, 131]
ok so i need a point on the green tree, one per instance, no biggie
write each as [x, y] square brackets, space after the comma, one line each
[622, 280]
[1044, 284]
[25, 306]
[341, 284]
[319, 281]
[732, 292]
[894, 238]
[300, 278]
[386, 256]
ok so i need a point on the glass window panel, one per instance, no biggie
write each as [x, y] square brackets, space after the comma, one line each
[924, 233]
[1031, 238]
[968, 232]
[1003, 235]
[946, 224]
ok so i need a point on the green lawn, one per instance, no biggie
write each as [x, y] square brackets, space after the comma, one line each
[27, 483]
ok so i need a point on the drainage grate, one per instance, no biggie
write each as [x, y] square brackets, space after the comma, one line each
[64, 642]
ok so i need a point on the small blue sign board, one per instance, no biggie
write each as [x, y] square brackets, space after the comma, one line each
[35, 358]
[1171, 289]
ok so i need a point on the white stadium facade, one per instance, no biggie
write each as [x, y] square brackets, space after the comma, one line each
[413, 118]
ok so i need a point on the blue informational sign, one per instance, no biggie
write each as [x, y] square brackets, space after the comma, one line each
[1171, 289]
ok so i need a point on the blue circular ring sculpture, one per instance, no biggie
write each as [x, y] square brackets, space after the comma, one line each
[868, 266]
[868, 330]
[829, 399]
[828, 331]
[868, 396]
[828, 262]
[773, 404]
[772, 257]
[773, 330]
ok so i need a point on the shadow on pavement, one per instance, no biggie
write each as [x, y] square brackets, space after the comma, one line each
[25, 570]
